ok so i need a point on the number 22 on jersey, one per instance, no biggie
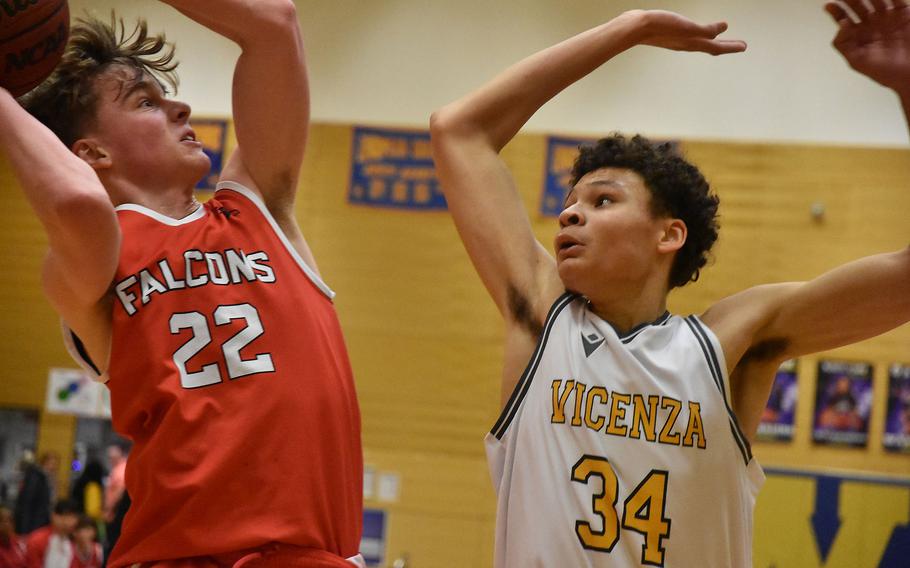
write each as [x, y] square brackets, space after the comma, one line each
[644, 510]
[236, 365]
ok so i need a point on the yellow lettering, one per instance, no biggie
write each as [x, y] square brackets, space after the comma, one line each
[618, 413]
[559, 402]
[644, 417]
[579, 399]
[601, 393]
[667, 436]
[695, 426]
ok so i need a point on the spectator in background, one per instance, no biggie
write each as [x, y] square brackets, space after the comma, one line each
[88, 490]
[12, 548]
[50, 546]
[86, 549]
[116, 484]
[36, 493]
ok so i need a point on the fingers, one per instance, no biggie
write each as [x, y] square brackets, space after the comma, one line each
[718, 46]
[878, 5]
[839, 14]
[859, 8]
[714, 30]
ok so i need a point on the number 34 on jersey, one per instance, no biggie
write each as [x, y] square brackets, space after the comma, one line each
[643, 510]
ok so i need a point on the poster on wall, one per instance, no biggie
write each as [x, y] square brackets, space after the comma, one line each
[561, 154]
[897, 423]
[394, 169]
[212, 133]
[843, 402]
[71, 391]
[780, 412]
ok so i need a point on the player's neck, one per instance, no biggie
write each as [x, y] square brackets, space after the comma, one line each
[629, 305]
[171, 200]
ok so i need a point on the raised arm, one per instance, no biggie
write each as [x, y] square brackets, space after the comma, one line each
[761, 327]
[78, 218]
[468, 135]
[270, 92]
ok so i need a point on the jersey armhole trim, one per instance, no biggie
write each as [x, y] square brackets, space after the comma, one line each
[77, 351]
[711, 356]
[257, 201]
[524, 383]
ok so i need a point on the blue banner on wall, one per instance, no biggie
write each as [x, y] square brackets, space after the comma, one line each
[372, 541]
[394, 168]
[561, 154]
[212, 133]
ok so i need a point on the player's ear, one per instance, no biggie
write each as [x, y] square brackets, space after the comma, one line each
[92, 153]
[673, 236]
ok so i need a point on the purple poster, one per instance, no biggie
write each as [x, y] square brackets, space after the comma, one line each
[780, 411]
[843, 401]
[897, 425]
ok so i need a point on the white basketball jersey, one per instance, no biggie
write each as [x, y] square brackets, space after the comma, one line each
[622, 450]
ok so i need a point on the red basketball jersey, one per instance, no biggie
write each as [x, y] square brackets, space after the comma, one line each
[229, 373]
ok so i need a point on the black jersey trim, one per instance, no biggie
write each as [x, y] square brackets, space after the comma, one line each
[637, 330]
[714, 366]
[83, 353]
[524, 383]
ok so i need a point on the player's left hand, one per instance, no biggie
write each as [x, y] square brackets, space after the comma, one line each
[878, 45]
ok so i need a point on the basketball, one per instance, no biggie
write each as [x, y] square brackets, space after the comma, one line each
[33, 35]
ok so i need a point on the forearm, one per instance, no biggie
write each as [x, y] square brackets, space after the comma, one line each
[242, 21]
[499, 109]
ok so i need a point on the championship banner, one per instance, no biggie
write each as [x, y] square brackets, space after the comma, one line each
[779, 414]
[561, 154]
[843, 402]
[71, 391]
[897, 424]
[394, 168]
[212, 133]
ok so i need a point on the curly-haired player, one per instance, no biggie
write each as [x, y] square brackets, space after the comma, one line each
[625, 434]
[210, 323]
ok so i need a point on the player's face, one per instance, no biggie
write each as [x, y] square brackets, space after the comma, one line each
[146, 135]
[607, 232]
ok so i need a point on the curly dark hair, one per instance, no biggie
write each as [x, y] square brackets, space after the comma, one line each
[66, 102]
[677, 189]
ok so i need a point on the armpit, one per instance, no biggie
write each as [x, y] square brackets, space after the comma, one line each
[522, 312]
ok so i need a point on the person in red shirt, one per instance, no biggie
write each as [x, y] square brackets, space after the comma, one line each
[210, 322]
[87, 551]
[12, 548]
[51, 545]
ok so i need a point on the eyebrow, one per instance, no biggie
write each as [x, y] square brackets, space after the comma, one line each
[140, 85]
[596, 182]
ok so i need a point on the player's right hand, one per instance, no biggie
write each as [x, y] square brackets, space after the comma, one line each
[669, 30]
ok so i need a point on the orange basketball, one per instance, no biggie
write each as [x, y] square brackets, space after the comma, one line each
[33, 35]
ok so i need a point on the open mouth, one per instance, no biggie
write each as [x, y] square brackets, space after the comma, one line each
[189, 137]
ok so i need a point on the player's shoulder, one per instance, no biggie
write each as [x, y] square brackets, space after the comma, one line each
[737, 320]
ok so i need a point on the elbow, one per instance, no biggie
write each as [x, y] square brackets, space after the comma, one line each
[449, 123]
[270, 20]
[441, 123]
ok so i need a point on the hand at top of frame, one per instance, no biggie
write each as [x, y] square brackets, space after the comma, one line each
[878, 44]
[669, 30]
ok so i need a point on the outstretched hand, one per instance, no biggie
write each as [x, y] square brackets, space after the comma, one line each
[673, 31]
[877, 42]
